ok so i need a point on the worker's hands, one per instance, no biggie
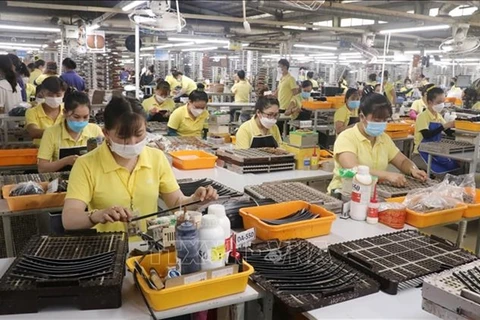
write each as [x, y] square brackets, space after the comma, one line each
[419, 174]
[396, 179]
[449, 125]
[166, 114]
[70, 160]
[153, 111]
[113, 214]
[205, 194]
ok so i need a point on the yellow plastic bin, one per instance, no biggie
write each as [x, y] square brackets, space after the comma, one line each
[186, 294]
[193, 159]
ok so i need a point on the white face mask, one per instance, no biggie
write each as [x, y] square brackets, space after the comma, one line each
[54, 102]
[39, 100]
[409, 86]
[160, 98]
[196, 112]
[128, 151]
[279, 70]
[439, 107]
[268, 123]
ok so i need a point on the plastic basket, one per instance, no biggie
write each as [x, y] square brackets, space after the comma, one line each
[189, 293]
[473, 209]
[396, 126]
[423, 220]
[467, 125]
[303, 229]
[337, 101]
[18, 157]
[313, 105]
[397, 134]
[193, 159]
[35, 201]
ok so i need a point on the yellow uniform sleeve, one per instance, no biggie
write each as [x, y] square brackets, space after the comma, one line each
[422, 122]
[234, 88]
[476, 106]
[175, 119]
[344, 143]
[80, 182]
[147, 104]
[392, 149]
[341, 115]
[168, 183]
[47, 145]
[31, 118]
[418, 106]
[292, 84]
[190, 86]
[243, 137]
[169, 105]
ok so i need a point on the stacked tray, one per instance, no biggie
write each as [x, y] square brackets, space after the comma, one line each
[189, 186]
[402, 259]
[455, 293]
[446, 146]
[385, 190]
[257, 160]
[35, 177]
[155, 126]
[84, 270]
[303, 277]
[293, 191]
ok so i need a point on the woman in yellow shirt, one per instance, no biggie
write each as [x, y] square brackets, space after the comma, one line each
[122, 176]
[50, 71]
[367, 144]
[348, 114]
[418, 106]
[189, 120]
[261, 130]
[295, 109]
[49, 111]
[63, 143]
[407, 88]
[160, 105]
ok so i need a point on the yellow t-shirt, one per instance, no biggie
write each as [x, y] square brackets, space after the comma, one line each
[286, 85]
[100, 182]
[344, 114]
[409, 94]
[173, 82]
[314, 83]
[57, 137]
[250, 129]
[30, 89]
[242, 90]
[34, 75]
[423, 122]
[188, 84]
[181, 121]
[376, 157]
[297, 100]
[37, 116]
[388, 92]
[42, 78]
[418, 106]
[151, 103]
[476, 106]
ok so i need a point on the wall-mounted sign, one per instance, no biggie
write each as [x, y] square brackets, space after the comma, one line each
[96, 41]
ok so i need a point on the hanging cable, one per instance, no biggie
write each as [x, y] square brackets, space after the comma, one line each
[246, 24]
[179, 26]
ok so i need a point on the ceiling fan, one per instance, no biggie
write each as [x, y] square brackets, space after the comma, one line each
[459, 43]
[158, 16]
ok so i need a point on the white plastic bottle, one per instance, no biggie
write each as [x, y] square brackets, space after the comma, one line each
[218, 211]
[361, 189]
[212, 243]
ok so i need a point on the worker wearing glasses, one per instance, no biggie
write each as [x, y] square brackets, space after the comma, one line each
[262, 130]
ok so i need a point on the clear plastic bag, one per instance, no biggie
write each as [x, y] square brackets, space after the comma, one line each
[384, 206]
[466, 183]
[26, 188]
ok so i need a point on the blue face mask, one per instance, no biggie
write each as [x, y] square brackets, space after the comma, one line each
[379, 79]
[354, 104]
[374, 129]
[306, 95]
[77, 126]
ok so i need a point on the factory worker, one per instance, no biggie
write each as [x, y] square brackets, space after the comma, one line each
[10, 90]
[388, 88]
[190, 120]
[160, 105]
[172, 80]
[313, 81]
[287, 86]
[295, 109]
[50, 71]
[63, 143]
[48, 111]
[428, 128]
[367, 144]
[418, 106]
[347, 115]
[187, 85]
[123, 176]
[261, 130]
[407, 88]
[38, 66]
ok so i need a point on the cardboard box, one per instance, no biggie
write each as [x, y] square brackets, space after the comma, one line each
[303, 138]
[300, 154]
[219, 119]
[218, 128]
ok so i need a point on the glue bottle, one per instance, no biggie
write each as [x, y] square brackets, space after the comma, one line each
[361, 189]
[314, 160]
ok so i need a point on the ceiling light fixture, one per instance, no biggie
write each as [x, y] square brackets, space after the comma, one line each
[93, 27]
[14, 44]
[174, 39]
[28, 28]
[58, 41]
[416, 29]
[175, 45]
[19, 48]
[314, 47]
[132, 5]
[147, 48]
[200, 49]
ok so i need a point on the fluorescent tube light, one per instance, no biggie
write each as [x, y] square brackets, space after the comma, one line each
[314, 47]
[28, 28]
[294, 28]
[93, 27]
[3, 52]
[132, 5]
[175, 45]
[19, 48]
[58, 41]
[147, 48]
[14, 44]
[200, 49]
[416, 29]
[146, 55]
[350, 54]
[198, 40]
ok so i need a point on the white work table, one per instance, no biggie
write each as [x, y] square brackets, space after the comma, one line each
[231, 104]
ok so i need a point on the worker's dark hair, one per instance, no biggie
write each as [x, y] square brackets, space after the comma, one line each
[200, 87]
[23, 70]
[407, 79]
[372, 77]
[385, 73]
[422, 75]
[152, 68]
[433, 93]
[377, 105]
[15, 60]
[163, 85]
[53, 85]
[284, 62]
[350, 92]
[124, 115]
[176, 73]
[69, 64]
[6, 67]
[306, 84]
[303, 68]
[265, 103]
[39, 63]
[241, 74]
[310, 74]
[426, 87]
[51, 68]
[75, 99]
[197, 95]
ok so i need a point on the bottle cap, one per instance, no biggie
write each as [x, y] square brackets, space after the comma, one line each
[217, 210]
[363, 170]
[209, 221]
[186, 226]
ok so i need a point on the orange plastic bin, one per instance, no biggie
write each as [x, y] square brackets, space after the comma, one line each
[473, 209]
[34, 201]
[18, 157]
[193, 159]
